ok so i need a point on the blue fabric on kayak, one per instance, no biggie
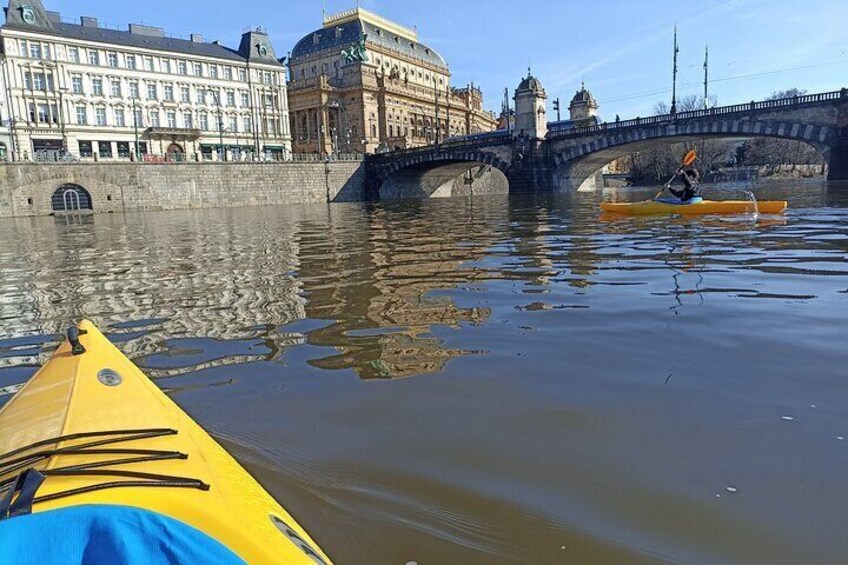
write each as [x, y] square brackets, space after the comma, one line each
[695, 200]
[103, 534]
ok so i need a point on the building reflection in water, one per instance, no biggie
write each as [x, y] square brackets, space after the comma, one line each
[157, 281]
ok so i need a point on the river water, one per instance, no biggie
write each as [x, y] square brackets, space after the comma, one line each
[496, 380]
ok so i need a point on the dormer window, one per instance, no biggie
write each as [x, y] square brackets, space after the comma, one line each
[316, 38]
[338, 32]
[397, 39]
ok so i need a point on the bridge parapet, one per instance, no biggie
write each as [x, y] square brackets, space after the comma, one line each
[560, 130]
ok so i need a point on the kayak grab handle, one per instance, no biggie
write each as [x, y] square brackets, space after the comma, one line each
[73, 336]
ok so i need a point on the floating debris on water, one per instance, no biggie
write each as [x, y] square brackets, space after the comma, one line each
[732, 490]
[840, 438]
[788, 418]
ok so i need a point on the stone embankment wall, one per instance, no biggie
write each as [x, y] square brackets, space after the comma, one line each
[26, 189]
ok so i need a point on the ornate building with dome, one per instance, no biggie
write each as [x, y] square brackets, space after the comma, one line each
[363, 84]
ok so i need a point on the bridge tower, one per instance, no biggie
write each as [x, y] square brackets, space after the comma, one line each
[531, 108]
[583, 108]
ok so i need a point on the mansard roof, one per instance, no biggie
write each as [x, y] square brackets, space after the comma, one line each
[340, 33]
[142, 37]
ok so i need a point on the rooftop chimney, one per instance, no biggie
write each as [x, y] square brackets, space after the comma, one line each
[88, 21]
[149, 31]
[196, 38]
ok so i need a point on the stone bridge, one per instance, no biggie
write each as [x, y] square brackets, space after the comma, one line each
[570, 158]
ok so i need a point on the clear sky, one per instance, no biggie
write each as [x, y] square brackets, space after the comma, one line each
[621, 48]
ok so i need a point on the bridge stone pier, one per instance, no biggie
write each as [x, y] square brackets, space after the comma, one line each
[557, 156]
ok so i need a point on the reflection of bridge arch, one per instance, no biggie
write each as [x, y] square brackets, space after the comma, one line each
[426, 174]
[577, 161]
[70, 198]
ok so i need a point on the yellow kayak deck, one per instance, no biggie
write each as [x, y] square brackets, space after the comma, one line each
[114, 419]
[650, 207]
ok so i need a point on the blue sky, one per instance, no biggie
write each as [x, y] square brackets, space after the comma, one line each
[621, 48]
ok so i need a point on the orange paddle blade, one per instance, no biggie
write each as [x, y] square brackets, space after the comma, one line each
[690, 158]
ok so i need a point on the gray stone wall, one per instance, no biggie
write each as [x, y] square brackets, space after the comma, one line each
[26, 188]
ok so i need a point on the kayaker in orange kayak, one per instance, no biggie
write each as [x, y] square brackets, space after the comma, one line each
[691, 180]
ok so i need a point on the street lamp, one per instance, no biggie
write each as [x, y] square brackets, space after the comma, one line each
[136, 116]
[217, 97]
[335, 104]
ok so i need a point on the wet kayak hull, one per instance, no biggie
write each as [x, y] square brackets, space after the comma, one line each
[116, 426]
[652, 207]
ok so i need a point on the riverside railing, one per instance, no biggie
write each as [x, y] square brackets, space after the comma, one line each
[159, 160]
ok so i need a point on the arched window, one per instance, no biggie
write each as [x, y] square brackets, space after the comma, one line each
[71, 198]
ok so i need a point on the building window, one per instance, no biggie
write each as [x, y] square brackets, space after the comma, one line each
[148, 63]
[231, 98]
[124, 149]
[233, 124]
[154, 118]
[185, 94]
[43, 114]
[131, 62]
[266, 78]
[24, 48]
[172, 119]
[201, 95]
[120, 117]
[242, 75]
[228, 73]
[100, 116]
[35, 50]
[204, 121]
[213, 71]
[76, 84]
[134, 92]
[82, 118]
[169, 92]
[105, 149]
[198, 70]
[247, 124]
[151, 91]
[188, 121]
[93, 57]
[182, 68]
[138, 118]
[97, 86]
[85, 149]
[166, 66]
[245, 100]
[116, 88]
[73, 54]
[112, 59]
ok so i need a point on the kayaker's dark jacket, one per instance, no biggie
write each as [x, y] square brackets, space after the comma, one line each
[692, 187]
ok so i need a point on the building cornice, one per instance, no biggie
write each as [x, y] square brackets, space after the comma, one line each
[372, 18]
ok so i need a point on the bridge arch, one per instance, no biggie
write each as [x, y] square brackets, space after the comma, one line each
[576, 162]
[428, 174]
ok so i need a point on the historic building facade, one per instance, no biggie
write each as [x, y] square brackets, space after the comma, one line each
[363, 84]
[79, 90]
